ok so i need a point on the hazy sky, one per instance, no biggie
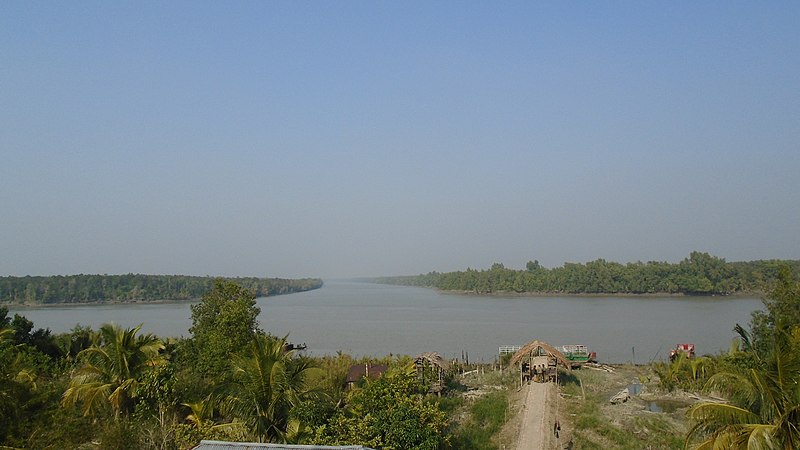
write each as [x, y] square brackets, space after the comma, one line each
[340, 139]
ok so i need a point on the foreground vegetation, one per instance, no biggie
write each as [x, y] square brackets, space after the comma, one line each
[133, 287]
[699, 274]
[116, 388]
[758, 380]
[747, 398]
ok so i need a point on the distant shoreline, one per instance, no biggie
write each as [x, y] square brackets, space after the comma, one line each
[85, 290]
[100, 303]
[26, 306]
[749, 294]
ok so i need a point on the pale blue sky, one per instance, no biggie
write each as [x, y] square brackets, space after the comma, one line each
[341, 139]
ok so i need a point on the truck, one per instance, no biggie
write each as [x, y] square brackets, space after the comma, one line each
[681, 349]
[577, 354]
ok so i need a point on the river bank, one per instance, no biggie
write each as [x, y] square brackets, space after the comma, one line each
[649, 418]
[27, 306]
[33, 306]
[509, 294]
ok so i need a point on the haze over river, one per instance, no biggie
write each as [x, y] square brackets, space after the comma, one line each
[370, 319]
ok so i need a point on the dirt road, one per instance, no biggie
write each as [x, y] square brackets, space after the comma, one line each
[538, 417]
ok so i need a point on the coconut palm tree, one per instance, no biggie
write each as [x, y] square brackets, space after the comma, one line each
[699, 367]
[267, 383]
[763, 411]
[17, 381]
[112, 369]
[201, 417]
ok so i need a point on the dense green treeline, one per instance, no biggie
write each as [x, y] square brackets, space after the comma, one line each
[700, 274]
[133, 287]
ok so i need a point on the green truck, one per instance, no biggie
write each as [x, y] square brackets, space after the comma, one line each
[578, 354]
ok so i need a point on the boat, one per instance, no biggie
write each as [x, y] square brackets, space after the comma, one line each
[288, 347]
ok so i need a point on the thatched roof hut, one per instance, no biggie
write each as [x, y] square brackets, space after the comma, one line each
[431, 362]
[535, 348]
[434, 359]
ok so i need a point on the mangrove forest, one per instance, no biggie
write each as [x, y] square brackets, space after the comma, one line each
[699, 274]
[34, 290]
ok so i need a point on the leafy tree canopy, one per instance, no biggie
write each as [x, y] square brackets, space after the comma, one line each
[699, 274]
[223, 323]
[782, 307]
[388, 414]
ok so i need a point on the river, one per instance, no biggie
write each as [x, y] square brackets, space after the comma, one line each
[370, 319]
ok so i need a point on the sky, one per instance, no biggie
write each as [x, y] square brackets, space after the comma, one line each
[346, 139]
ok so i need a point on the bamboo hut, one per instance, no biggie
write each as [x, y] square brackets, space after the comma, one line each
[431, 363]
[539, 361]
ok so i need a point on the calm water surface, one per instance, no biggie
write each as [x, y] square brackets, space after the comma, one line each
[369, 319]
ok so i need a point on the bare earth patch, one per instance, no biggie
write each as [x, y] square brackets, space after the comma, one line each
[650, 418]
[532, 412]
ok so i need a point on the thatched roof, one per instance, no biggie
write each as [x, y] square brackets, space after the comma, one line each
[434, 359]
[533, 347]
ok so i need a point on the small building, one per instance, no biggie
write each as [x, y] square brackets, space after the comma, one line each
[224, 445]
[431, 366]
[358, 372]
[539, 361]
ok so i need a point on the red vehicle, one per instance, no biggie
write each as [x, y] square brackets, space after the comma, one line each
[686, 349]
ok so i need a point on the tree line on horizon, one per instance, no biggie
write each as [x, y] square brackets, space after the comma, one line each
[699, 274]
[134, 287]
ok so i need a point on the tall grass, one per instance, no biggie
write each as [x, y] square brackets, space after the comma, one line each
[486, 416]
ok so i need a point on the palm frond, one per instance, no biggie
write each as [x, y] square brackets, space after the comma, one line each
[6, 334]
[112, 368]
[744, 337]
[760, 437]
[736, 386]
[714, 417]
[267, 383]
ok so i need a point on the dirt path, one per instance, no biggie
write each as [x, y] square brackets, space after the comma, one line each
[538, 417]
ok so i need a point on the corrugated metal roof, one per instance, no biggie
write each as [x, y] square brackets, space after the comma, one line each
[359, 371]
[223, 445]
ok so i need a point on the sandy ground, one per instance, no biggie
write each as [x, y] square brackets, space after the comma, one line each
[538, 417]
